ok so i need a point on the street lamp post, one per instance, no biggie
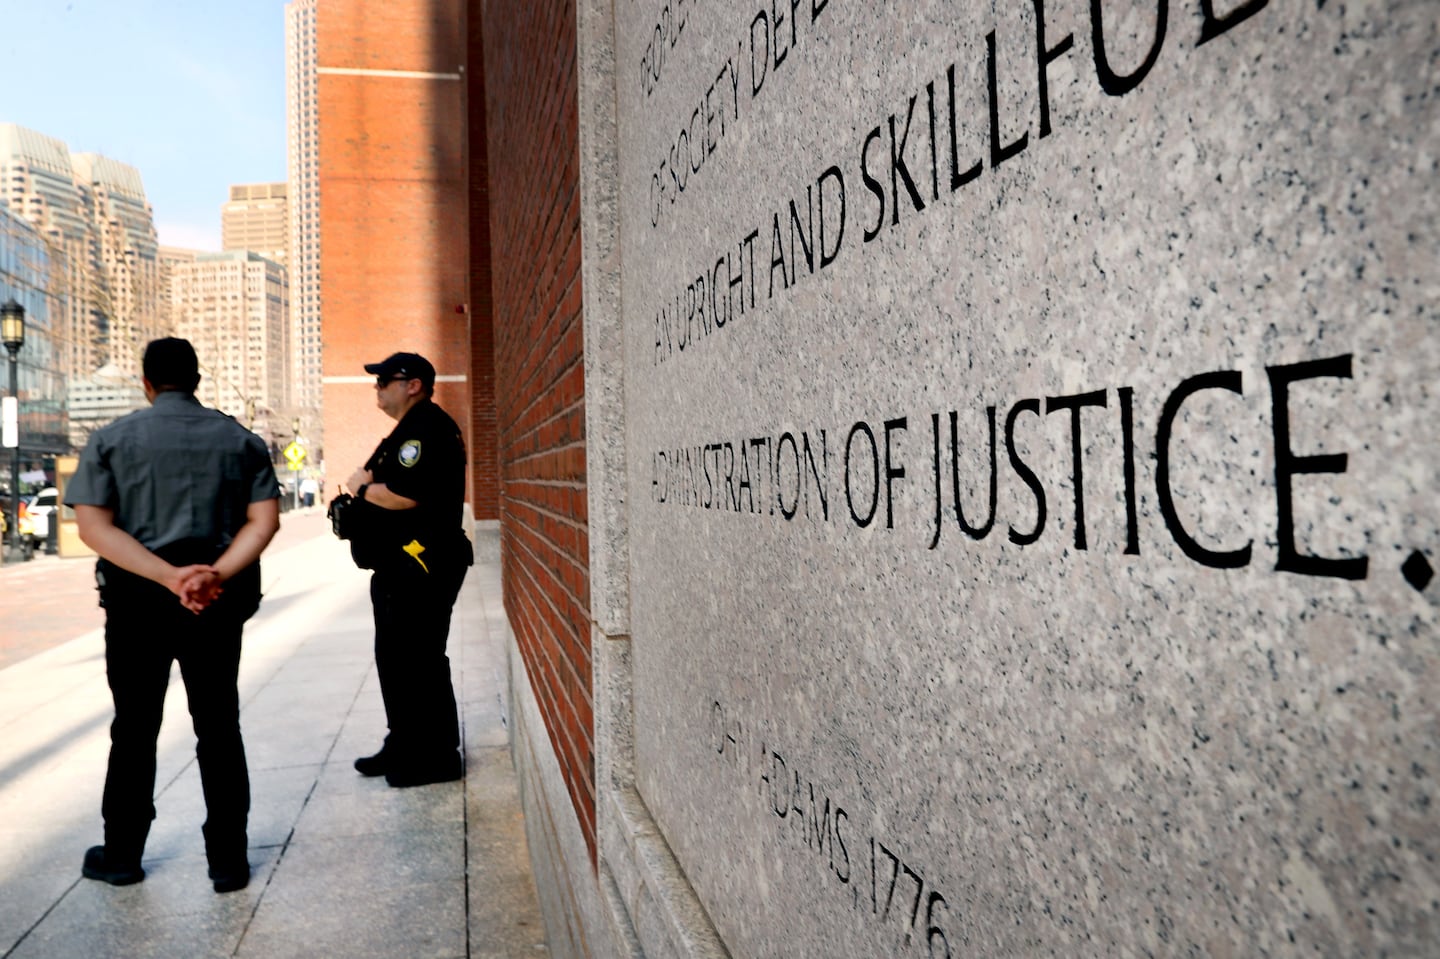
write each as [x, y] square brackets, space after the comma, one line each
[12, 333]
[295, 465]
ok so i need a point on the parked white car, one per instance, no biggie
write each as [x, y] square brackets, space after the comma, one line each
[40, 510]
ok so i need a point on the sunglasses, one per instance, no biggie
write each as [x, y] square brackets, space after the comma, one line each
[383, 381]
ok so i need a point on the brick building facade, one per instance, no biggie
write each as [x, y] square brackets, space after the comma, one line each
[529, 58]
[407, 264]
[393, 235]
[451, 211]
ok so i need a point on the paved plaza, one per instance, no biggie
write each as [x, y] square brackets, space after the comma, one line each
[342, 865]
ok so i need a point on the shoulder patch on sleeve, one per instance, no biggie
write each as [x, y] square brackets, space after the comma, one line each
[409, 453]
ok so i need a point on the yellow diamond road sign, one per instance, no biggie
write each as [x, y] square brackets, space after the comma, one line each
[294, 455]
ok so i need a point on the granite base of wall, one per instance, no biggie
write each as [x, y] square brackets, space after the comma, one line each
[638, 902]
[661, 914]
[653, 906]
[570, 899]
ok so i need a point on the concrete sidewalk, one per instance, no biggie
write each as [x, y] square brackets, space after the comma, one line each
[342, 865]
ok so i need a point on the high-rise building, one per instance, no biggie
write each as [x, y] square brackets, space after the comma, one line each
[38, 185]
[99, 232]
[257, 217]
[128, 292]
[232, 306]
[302, 110]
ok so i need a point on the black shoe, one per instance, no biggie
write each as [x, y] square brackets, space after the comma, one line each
[372, 765]
[423, 774]
[98, 866]
[230, 878]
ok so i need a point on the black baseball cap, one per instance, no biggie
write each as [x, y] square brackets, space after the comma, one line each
[412, 366]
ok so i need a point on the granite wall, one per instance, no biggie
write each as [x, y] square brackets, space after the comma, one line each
[1012, 450]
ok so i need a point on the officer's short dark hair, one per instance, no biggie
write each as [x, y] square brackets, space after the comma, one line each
[171, 364]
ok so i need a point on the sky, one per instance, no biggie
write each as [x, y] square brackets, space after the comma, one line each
[189, 92]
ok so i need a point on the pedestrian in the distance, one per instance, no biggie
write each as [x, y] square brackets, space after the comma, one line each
[411, 493]
[309, 491]
[178, 501]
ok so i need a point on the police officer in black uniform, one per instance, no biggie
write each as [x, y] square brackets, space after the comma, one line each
[411, 494]
[178, 501]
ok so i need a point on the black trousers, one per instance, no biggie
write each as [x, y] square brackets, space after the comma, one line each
[412, 626]
[146, 630]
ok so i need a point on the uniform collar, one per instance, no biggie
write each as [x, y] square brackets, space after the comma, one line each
[172, 397]
[414, 411]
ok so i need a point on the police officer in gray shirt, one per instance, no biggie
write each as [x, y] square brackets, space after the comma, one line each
[178, 501]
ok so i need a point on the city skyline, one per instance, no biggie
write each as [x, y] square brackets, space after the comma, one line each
[79, 246]
[196, 102]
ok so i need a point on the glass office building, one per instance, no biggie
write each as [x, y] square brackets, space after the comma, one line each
[29, 272]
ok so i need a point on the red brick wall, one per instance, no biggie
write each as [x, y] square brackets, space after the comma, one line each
[530, 92]
[485, 453]
[394, 261]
